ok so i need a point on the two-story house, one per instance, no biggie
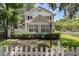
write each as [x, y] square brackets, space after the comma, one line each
[39, 20]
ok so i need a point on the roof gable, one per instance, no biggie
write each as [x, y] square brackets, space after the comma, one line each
[41, 9]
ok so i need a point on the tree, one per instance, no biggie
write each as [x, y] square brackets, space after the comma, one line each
[69, 25]
[29, 6]
[10, 14]
[70, 9]
[26, 7]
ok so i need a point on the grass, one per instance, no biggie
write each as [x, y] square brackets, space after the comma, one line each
[66, 41]
[69, 41]
[7, 42]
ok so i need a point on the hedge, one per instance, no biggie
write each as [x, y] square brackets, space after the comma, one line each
[54, 36]
[2, 35]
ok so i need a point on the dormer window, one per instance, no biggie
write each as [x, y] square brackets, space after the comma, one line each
[29, 17]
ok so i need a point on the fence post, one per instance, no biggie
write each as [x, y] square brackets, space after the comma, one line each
[72, 51]
[1, 50]
[12, 52]
[47, 53]
[26, 48]
[6, 52]
[31, 51]
[51, 52]
[36, 50]
[62, 51]
[58, 48]
[77, 51]
[21, 51]
[41, 49]
[16, 51]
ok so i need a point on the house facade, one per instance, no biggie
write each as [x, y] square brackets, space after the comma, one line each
[38, 20]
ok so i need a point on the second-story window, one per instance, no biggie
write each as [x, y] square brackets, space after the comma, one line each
[47, 17]
[50, 17]
[29, 17]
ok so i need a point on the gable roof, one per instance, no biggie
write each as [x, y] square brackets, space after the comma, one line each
[41, 8]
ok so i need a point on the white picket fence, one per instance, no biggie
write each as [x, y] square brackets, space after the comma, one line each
[29, 51]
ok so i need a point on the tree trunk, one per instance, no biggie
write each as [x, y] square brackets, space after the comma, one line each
[5, 33]
[6, 29]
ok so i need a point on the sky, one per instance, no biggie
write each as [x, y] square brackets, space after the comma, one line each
[59, 15]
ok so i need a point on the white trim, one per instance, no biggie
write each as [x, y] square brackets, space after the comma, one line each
[27, 12]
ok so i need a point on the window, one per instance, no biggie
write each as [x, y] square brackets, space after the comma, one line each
[42, 28]
[33, 28]
[50, 18]
[29, 17]
[30, 30]
[45, 28]
[47, 17]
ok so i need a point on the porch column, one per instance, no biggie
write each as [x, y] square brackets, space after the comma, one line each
[26, 28]
[39, 28]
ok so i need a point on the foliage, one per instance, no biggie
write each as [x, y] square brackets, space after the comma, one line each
[70, 9]
[49, 44]
[10, 14]
[7, 42]
[67, 25]
[37, 36]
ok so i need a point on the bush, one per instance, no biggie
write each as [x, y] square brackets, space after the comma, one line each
[37, 36]
[2, 35]
[8, 42]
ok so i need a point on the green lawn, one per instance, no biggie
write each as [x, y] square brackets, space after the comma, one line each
[66, 41]
[69, 41]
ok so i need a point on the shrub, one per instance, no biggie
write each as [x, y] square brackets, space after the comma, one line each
[2, 35]
[8, 42]
[37, 36]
